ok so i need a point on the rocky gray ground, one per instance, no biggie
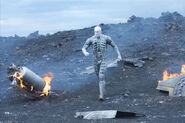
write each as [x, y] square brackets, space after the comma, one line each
[158, 42]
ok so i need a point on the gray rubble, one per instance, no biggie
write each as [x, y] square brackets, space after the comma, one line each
[134, 61]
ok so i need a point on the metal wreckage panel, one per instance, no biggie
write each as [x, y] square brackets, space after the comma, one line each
[106, 114]
[175, 86]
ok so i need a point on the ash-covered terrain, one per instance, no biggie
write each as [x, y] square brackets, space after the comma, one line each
[156, 43]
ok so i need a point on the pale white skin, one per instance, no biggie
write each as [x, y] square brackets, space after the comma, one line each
[99, 44]
[97, 33]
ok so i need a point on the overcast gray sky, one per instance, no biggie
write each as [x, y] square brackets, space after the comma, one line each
[49, 16]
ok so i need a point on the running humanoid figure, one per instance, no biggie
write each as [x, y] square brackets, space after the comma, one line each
[99, 43]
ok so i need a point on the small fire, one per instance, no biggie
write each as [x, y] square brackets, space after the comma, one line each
[19, 76]
[167, 76]
[45, 91]
[47, 78]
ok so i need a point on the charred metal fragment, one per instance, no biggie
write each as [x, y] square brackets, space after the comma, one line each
[11, 71]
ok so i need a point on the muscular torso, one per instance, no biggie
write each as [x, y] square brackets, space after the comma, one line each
[99, 46]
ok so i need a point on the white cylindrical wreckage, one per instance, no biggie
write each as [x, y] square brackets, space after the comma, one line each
[32, 79]
[24, 79]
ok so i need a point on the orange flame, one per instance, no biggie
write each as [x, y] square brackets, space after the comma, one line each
[167, 76]
[19, 76]
[47, 78]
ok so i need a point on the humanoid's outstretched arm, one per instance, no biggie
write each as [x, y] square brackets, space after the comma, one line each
[111, 42]
[86, 46]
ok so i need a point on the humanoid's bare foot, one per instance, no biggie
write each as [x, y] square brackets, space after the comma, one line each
[101, 98]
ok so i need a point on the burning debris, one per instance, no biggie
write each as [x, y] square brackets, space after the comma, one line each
[173, 83]
[24, 80]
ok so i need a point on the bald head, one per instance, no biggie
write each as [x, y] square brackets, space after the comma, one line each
[97, 31]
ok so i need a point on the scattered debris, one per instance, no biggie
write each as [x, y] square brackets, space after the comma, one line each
[7, 113]
[125, 93]
[151, 58]
[148, 58]
[90, 69]
[165, 54]
[113, 63]
[134, 61]
[45, 56]
[106, 114]
[17, 48]
[161, 102]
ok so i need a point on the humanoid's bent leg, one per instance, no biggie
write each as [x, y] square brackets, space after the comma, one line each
[97, 69]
